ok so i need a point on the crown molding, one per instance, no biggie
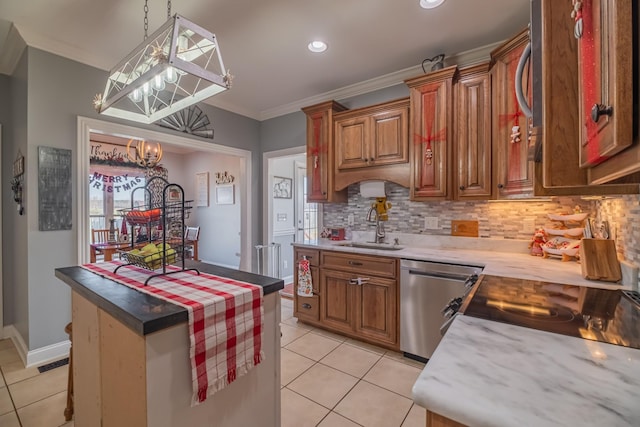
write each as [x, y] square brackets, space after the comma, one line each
[462, 59]
[16, 43]
[11, 50]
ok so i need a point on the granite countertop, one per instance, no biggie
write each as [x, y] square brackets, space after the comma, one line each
[487, 373]
[141, 312]
[506, 258]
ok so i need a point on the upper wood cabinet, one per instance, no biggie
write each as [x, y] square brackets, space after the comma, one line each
[605, 53]
[371, 143]
[320, 186]
[472, 116]
[372, 136]
[560, 172]
[513, 171]
[431, 134]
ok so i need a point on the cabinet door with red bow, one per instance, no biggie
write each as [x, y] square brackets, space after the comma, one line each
[603, 29]
[431, 134]
[320, 156]
[513, 171]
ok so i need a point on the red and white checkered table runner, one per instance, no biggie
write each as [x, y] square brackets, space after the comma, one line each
[226, 320]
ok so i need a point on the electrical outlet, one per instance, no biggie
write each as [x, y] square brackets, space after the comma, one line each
[350, 220]
[285, 263]
[529, 225]
[431, 223]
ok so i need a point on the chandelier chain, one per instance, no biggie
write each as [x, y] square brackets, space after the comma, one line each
[146, 18]
[168, 9]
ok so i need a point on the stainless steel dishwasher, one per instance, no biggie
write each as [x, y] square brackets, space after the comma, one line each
[425, 288]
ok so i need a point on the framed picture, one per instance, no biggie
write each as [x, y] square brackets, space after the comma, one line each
[282, 187]
[202, 189]
[225, 194]
[174, 194]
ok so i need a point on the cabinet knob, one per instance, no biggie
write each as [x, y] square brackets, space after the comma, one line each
[461, 188]
[306, 306]
[501, 186]
[600, 110]
[324, 193]
[372, 159]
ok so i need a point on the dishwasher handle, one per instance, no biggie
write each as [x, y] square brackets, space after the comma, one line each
[441, 275]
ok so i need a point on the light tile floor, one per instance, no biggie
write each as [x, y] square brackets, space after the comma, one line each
[332, 381]
[327, 381]
[27, 397]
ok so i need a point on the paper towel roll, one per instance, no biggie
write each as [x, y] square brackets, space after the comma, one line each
[372, 189]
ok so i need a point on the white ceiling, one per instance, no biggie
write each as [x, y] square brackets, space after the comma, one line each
[264, 43]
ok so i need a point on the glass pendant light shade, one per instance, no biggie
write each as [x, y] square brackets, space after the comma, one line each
[177, 66]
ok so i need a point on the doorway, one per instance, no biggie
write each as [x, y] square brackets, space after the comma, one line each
[287, 220]
[86, 126]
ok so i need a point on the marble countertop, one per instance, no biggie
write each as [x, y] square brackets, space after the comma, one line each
[507, 258]
[487, 373]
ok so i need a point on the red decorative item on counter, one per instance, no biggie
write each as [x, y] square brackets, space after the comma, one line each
[537, 242]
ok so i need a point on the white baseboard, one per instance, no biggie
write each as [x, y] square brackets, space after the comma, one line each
[40, 355]
[288, 279]
[11, 332]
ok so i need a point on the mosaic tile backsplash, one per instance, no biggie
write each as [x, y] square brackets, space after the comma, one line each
[496, 219]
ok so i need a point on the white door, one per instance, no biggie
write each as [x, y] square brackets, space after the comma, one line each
[307, 215]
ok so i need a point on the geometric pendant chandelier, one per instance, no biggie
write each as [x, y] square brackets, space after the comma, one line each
[179, 65]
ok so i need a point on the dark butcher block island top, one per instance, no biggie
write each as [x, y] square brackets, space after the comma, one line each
[141, 312]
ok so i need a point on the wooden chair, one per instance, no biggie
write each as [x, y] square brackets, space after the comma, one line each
[100, 236]
[191, 236]
[68, 411]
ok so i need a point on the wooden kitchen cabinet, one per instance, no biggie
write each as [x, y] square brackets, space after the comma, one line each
[320, 158]
[367, 311]
[431, 134]
[513, 172]
[437, 420]
[307, 308]
[472, 137]
[337, 305]
[560, 173]
[605, 53]
[372, 142]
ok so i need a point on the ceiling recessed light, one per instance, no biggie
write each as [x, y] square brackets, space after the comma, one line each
[430, 4]
[317, 46]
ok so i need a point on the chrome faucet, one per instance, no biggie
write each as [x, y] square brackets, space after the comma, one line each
[380, 233]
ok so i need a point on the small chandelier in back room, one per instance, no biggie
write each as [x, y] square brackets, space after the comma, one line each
[177, 66]
[144, 154]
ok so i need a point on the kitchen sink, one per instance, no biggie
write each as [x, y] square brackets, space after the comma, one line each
[372, 245]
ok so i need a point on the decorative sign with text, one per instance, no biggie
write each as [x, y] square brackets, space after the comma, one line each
[114, 184]
[110, 154]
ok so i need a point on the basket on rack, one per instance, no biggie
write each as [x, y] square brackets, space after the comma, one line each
[151, 256]
[141, 217]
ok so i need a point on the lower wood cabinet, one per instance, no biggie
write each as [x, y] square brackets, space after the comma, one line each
[436, 420]
[353, 299]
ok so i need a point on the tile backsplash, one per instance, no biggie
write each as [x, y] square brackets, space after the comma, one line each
[623, 214]
[497, 219]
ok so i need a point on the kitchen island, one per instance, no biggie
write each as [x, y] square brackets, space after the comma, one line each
[131, 358]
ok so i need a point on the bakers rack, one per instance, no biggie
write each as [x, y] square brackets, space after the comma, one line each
[165, 209]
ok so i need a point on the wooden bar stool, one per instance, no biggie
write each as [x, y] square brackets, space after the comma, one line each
[68, 411]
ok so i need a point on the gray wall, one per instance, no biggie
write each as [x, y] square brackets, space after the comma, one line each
[220, 225]
[14, 226]
[48, 93]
